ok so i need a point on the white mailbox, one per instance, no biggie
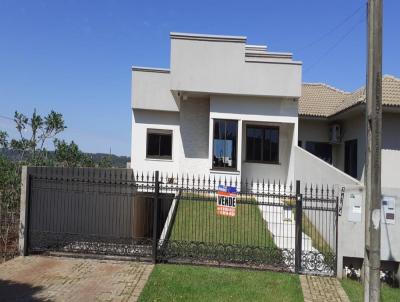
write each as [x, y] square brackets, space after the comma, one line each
[388, 209]
[355, 207]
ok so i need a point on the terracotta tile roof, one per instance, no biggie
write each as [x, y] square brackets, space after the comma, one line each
[323, 100]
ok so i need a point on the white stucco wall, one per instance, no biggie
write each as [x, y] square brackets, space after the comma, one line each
[351, 234]
[391, 168]
[313, 130]
[220, 67]
[390, 131]
[151, 119]
[313, 170]
[151, 90]
[194, 124]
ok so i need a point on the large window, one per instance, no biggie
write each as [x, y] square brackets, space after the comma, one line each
[225, 144]
[321, 150]
[159, 144]
[262, 144]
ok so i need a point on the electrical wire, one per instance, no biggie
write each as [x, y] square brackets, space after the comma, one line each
[329, 50]
[331, 31]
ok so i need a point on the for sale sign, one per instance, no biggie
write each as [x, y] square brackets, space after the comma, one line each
[226, 201]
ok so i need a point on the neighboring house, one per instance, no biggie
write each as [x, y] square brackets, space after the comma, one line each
[332, 127]
[223, 108]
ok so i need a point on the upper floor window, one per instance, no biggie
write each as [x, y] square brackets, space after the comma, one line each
[225, 144]
[321, 150]
[159, 144]
[262, 144]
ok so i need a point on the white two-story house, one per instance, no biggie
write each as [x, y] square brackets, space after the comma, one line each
[223, 107]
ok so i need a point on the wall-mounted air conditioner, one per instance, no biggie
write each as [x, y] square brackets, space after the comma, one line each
[335, 135]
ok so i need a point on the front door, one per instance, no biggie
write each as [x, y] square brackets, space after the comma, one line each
[350, 157]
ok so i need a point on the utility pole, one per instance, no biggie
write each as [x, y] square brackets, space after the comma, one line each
[372, 252]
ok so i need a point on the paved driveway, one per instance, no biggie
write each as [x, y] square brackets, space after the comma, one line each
[42, 278]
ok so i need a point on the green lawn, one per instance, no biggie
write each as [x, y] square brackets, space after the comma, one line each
[193, 283]
[354, 290]
[196, 220]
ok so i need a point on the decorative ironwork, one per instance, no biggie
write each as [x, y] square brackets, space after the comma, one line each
[340, 206]
[89, 244]
[194, 251]
[317, 262]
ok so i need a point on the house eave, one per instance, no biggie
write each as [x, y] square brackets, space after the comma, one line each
[207, 37]
[150, 69]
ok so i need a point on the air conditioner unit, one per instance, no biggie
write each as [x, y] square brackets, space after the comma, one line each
[335, 135]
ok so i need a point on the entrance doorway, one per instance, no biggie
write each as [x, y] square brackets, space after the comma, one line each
[350, 158]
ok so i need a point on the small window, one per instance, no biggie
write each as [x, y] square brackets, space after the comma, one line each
[262, 144]
[159, 144]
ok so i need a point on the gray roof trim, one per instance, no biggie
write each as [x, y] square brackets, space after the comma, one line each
[203, 37]
[258, 48]
[275, 62]
[150, 69]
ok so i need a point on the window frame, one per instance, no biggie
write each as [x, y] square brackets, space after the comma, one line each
[159, 132]
[236, 146]
[263, 127]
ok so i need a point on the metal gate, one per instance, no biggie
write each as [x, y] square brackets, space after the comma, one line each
[91, 211]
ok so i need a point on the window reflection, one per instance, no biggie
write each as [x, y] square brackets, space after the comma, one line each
[225, 142]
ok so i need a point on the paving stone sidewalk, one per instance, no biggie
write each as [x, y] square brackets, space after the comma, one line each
[316, 289]
[42, 278]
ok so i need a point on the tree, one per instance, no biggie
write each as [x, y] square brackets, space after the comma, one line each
[67, 154]
[87, 161]
[9, 203]
[105, 162]
[34, 132]
[3, 139]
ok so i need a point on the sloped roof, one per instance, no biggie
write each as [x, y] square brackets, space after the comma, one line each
[321, 100]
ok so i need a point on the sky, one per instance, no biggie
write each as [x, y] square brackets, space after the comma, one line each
[75, 57]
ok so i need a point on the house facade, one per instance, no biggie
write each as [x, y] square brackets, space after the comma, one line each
[223, 108]
[227, 109]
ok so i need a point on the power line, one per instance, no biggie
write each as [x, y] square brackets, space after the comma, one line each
[329, 50]
[332, 30]
[6, 117]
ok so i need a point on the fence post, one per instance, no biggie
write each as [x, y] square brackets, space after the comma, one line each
[299, 222]
[155, 215]
[24, 212]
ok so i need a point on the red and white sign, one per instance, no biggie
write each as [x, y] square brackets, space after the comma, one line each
[226, 201]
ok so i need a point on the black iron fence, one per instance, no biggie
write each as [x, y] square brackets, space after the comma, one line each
[185, 219]
[275, 225]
